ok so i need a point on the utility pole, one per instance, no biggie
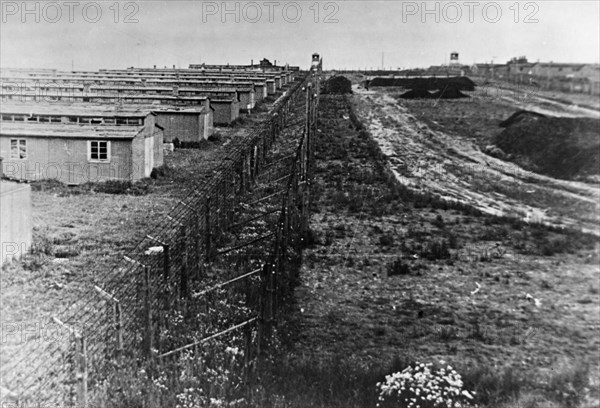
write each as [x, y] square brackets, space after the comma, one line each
[382, 66]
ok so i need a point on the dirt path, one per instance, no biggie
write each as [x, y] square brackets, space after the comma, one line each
[456, 169]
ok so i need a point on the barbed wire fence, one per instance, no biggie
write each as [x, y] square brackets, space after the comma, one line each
[229, 240]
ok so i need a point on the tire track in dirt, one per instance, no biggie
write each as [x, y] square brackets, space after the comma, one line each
[433, 161]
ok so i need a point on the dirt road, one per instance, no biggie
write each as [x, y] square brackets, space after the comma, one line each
[456, 169]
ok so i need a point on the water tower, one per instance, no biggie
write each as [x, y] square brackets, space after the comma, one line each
[454, 58]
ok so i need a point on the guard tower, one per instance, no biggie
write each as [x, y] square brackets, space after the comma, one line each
[316, 61]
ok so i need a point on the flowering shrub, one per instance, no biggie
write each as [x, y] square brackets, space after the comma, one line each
[419, 386]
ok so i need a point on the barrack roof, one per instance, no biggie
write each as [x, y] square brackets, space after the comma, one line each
[76, 109]
[68, 130]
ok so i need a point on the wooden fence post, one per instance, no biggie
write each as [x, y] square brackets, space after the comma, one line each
[233, 198]
[166, 262]
[147, 313]
[247, 352]
[184, 267]
[217, 208]
[243, 174]
[254, 162]
[265, 141]
[118, 324]
[81, 369]
[119, 328]
[197, 249]
[248, 169]
[262, 309]
[207, 231]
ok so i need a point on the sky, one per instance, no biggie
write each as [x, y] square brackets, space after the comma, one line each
[88, 35]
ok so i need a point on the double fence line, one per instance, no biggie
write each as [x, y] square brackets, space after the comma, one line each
[123, 313]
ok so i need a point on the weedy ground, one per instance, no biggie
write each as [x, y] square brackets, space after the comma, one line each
[395, 275]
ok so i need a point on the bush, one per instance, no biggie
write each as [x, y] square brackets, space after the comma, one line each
[493, 387]
[568, 385]
[329, 238]
[200, 144]
[439, 221]
[215, 137]
[311, 238]
[453, 241]
[421, 385]
[397, 267]
[122, 187]
[436, 250]
[240, 120]
[549, 247]
[386, 240]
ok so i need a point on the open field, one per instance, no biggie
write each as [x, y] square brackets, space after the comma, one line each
[396, 275]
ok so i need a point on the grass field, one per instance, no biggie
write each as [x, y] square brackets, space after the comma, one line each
[395, 276]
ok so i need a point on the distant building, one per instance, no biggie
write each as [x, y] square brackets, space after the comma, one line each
[265, 63]
[520, 70]
[566, 77]
[591, 74]
[555, 70]
[490, 71]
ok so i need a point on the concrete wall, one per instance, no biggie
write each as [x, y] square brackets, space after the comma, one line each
[15, 220]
